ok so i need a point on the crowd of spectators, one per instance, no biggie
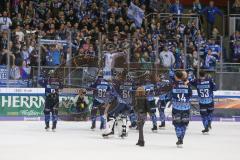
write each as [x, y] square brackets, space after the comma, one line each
[79, 22]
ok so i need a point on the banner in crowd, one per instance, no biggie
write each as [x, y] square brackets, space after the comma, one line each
[135, 13]
[53, 42]
[15, 83]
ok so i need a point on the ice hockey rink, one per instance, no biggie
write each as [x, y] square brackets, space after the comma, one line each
[27, 140]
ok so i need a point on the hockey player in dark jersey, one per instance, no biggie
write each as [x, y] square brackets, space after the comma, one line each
[205, 87]
[51, 108]
[180, 94]
[102, 94]
[132, 115]
[150, 94]
[163, 91]
[118, 116]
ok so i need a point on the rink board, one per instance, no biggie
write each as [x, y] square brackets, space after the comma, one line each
[28, 103]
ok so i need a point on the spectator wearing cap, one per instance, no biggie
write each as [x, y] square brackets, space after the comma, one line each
[210, 12]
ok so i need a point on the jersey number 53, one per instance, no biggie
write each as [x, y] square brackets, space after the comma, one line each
[204, 93]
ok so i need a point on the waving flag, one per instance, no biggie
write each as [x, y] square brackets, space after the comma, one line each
[135, 13]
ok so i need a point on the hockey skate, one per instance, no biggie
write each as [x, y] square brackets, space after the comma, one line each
[205, 131]
[133, 125]
[47, 128]
[154, 129]
[209, 125]
[179, 143]
[140, 143]
[162, 126]
[54, 126]
[93, 125]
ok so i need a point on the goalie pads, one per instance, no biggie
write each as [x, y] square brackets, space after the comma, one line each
[121, 124]
[109, 127]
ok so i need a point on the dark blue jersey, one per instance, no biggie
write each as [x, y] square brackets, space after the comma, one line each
[124, 91]
[205, 88]
[102, 91]
[150, 91]
[181, 94]
[163, 90]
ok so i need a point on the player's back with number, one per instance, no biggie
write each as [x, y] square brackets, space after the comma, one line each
[126, 90]
[205, 88]
[181, 94]
[102, 90]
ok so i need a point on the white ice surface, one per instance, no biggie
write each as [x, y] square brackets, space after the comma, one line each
[75, 141]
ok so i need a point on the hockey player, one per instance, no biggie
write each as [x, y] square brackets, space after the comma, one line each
[118, 116]
[51, 108]
[181, 94]
[129, 92]
[150, 94]
[205, 87]
[163, 91]
[102, 94]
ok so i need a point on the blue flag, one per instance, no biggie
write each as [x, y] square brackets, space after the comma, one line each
[135, 13]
